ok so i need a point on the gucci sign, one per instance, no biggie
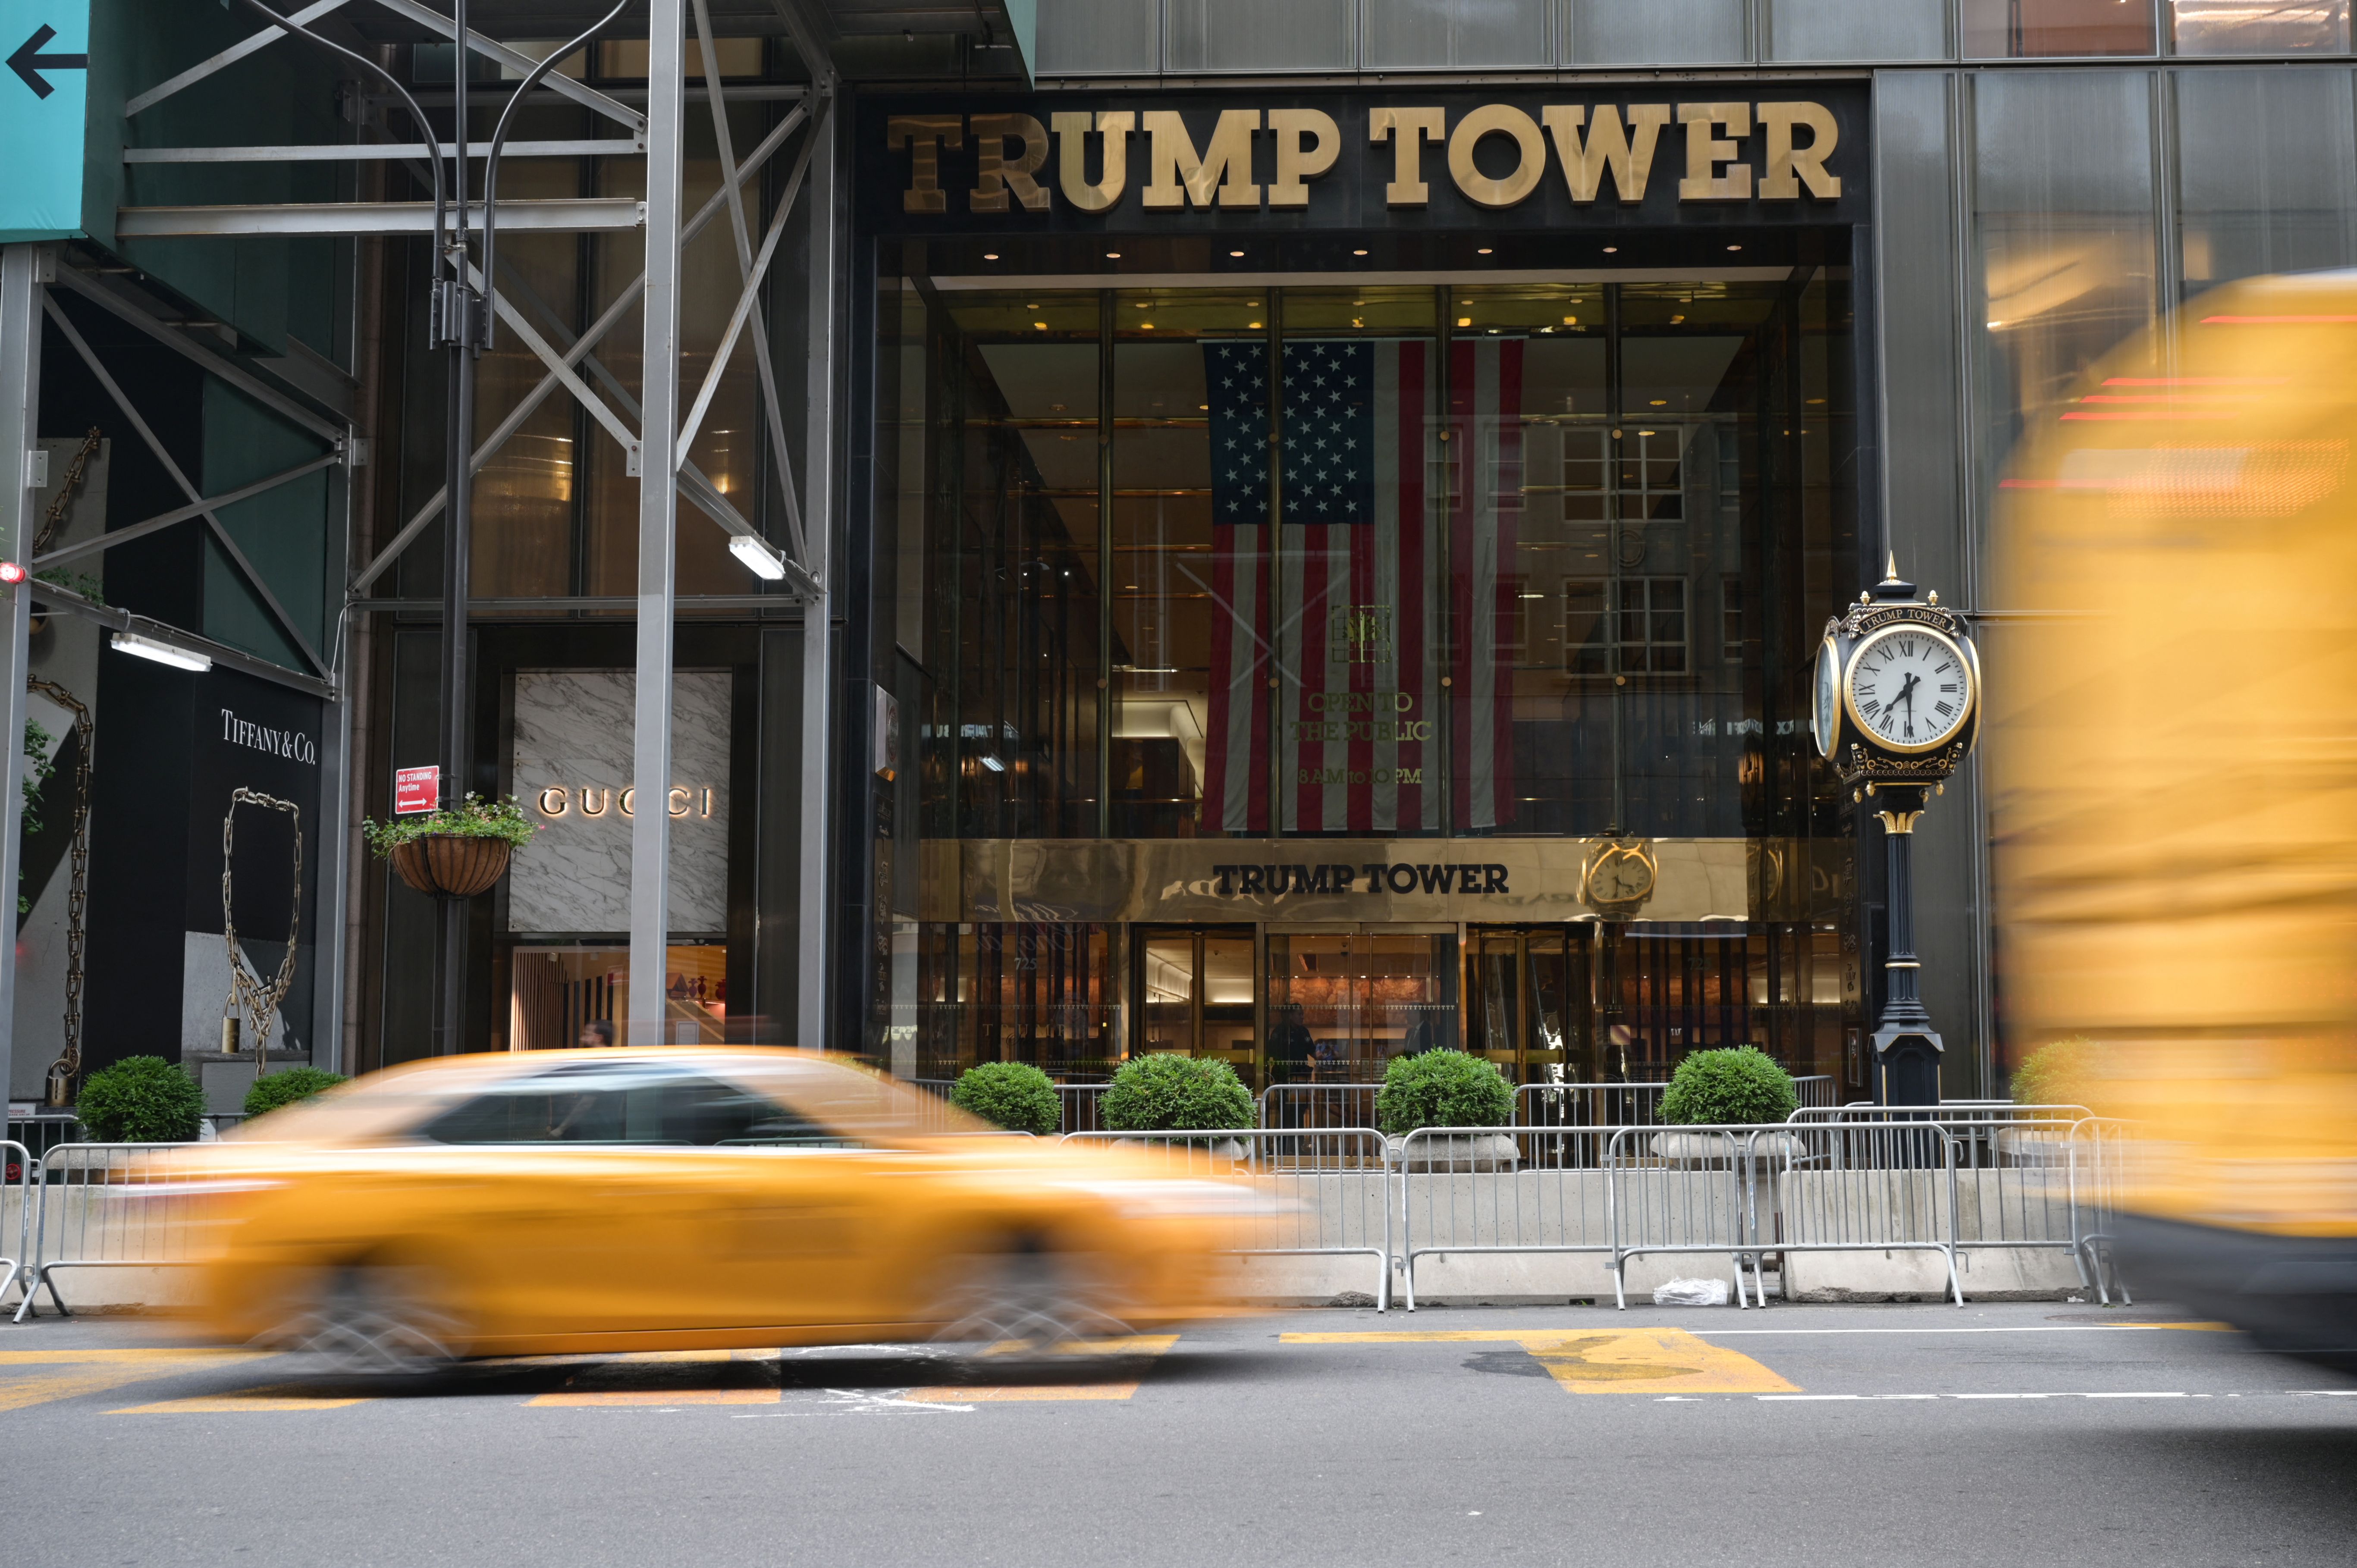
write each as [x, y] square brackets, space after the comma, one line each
[593, 801]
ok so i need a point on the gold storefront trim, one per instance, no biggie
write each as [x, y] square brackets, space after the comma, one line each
[1402, 881]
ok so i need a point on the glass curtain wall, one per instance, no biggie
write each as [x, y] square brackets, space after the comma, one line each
[1518, 559]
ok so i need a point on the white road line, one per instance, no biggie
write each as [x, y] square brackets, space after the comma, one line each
[2063, 1394]
[2018, 1328]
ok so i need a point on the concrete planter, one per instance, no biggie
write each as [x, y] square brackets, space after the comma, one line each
[1708, 1149]
[1455, 1152]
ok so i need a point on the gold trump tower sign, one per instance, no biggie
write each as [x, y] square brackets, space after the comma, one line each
[1370, 161]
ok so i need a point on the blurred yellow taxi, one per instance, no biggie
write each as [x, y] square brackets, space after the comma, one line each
[681, 1197]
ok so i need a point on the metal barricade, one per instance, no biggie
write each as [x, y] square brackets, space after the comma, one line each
[1319, 1105]
[1326, 1191]
[1589, 1104]
[108, 1205]
[1683, 1190]
[1082, 1105]
[1854, 1185]
[1489, 1190]
[17, 1165]
[1817, 1088]
[2099, 1150]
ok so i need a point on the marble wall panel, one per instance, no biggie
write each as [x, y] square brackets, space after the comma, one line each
[572, 770]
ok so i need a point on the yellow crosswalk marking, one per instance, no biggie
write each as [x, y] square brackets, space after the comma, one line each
[1620, 1360]
[272, 1397]
[93, 1371]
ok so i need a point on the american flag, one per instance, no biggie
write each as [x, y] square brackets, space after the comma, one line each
[1340, 618]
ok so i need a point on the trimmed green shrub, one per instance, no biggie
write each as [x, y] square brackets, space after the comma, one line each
[1013, 1095]
[1443, 1088]
[141, 1100]
[2056, 1073]
[284, 1087]
[1167, 1092]
[1738, 1087]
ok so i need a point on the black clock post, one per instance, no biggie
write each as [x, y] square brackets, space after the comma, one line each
[1892, 767]
[1907, 1049]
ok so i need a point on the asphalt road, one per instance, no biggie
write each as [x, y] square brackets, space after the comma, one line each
[2003, 1434]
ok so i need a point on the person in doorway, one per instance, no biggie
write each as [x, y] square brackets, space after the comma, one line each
[597, 1034]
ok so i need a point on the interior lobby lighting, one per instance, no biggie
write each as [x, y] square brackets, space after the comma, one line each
[1611, 250]
[161, 652]
[1240, 253]
[1358, 252]
[1482, 252]
[993, 763]
[1735, 247]
[758, 557]
[1112, 255]
[990, 255]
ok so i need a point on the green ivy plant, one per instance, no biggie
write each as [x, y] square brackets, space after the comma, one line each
[1167, 1092]
[73, 582]
[141, 1100]
[1740, 1087]
[38, 768]
[1443, 1088]
[274, 1090]
[474, 818]
[1013, 1095]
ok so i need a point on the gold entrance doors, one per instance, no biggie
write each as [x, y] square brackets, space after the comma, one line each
[1342, 1003]
[1195, 992]
[1527, 1002]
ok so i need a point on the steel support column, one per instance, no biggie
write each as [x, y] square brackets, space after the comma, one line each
[824, 349]
[24, 269]
[658, 522]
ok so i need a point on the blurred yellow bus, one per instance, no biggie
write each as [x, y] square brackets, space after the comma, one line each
[2172, 757]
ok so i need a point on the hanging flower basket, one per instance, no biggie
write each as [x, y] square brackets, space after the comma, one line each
[454, 852]
[452, 865]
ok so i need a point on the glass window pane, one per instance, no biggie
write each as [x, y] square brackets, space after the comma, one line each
[1845, 30]
[1167, 979]
[1340, 1007]
[2265, 181]
[1259, 34]
[1652, 32]
[2064, 231]
[1427, 33]
[2023, 29]
[2259, 27]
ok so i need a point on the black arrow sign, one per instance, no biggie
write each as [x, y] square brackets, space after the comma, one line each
[28, 60]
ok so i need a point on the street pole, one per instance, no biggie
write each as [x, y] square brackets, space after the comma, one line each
[657, 524]
[1907, 1049]
[24, 272]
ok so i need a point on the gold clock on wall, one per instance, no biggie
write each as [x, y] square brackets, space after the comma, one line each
[1619, 876]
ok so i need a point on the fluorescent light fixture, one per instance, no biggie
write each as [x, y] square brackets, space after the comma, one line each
[161, 652]
[758, 557]
[993, 763]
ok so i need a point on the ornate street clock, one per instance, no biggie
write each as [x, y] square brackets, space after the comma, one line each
[1898, 702]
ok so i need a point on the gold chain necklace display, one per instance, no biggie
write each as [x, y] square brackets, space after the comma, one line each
[248, 997]
[68, 1066]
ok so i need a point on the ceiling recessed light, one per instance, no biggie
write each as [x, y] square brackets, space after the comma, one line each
[1611, 250]
[1252, 324]
[1112, 255]
[1464, 321]
[1358, 252]
[1571, 321]
[1146, 326]
[1235, 252]
[1482, 252]
[1040, 325]
[1735, 247]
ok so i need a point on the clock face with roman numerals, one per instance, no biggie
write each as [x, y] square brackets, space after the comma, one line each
[1910, 687]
